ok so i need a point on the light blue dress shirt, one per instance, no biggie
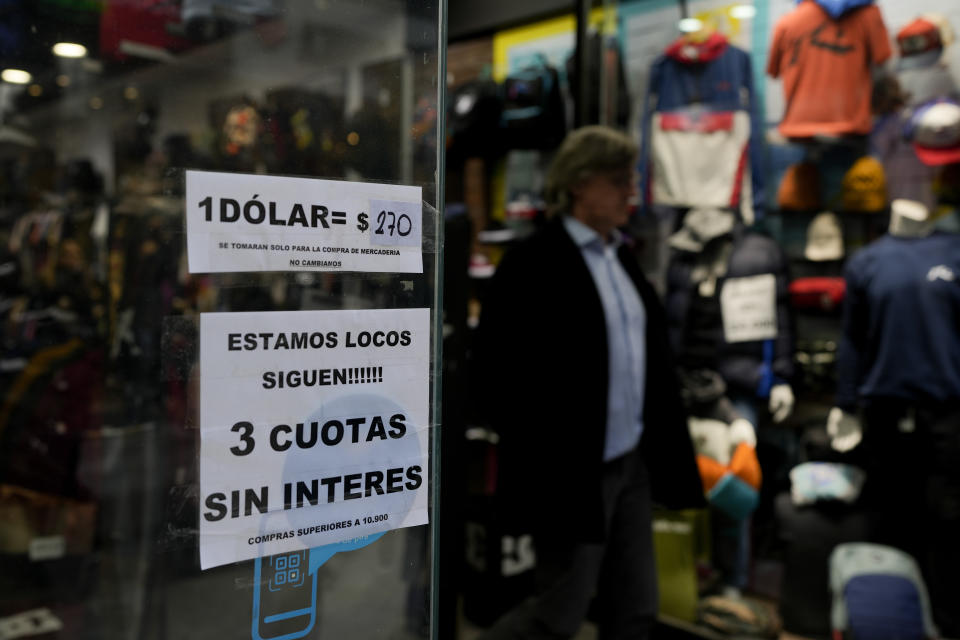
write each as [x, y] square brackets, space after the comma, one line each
[626, 321]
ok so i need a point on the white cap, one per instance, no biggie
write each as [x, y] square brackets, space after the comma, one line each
[824, 238]
[939, 126]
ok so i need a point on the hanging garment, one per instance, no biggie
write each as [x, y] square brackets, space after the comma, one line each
[696, 321]
[701, 136]
[826, 64]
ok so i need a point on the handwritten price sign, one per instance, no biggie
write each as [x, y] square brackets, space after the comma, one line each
[241, 222]
[397, 224]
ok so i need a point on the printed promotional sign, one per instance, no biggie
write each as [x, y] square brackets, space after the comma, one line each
[749, 308]
[313, 430]
[243, 222]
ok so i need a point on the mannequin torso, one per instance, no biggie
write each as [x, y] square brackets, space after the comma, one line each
[911, 222]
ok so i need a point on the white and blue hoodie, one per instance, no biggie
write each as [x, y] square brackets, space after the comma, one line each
[701, 142]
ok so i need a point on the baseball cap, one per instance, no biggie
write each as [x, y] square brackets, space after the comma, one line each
[800, 188]
[943, 23]
[818, 293]
[824, 238]
[935, 131]
[864, 186]
[920, 44]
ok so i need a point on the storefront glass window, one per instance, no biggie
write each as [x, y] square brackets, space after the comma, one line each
[119, 120]
[796, 208]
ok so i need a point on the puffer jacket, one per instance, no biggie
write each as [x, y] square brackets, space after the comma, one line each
[743, 365]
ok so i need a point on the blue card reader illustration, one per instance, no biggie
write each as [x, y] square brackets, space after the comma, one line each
[285, 597]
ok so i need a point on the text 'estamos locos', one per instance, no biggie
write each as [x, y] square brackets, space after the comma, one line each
[287, 340]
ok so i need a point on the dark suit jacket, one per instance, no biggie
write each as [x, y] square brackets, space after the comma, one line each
[543, 348]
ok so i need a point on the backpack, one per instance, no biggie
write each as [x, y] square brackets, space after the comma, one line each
[533, 109]
[473, 120]
[878, 594]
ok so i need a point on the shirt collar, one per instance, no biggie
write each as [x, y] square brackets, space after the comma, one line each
[583, 236]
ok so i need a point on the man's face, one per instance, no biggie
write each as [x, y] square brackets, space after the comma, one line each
[602, 201]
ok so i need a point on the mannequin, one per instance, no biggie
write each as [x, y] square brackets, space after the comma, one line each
[711, 246]
[908, 219]
[729, 326]
[898, 394]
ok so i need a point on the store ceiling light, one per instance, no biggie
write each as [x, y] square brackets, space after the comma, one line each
[689, 25]
[131, 93]
[63, 81]
[35, 90]
[743, 11]
[96, 102]
[15, 76]
[69, 50]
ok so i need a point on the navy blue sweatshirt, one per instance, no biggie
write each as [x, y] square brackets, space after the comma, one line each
[901, 325]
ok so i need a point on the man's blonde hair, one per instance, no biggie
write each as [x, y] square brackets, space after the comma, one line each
[585, 152]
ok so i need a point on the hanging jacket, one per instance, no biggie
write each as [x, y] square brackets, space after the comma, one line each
[605, 73]
[701, 137]
[691, 321]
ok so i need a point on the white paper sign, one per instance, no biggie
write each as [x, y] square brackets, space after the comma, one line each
[244, 222]
[314, 428]
[36, 622]
[749, 308]
[47, 548]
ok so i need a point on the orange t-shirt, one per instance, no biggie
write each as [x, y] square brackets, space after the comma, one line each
[825, 64]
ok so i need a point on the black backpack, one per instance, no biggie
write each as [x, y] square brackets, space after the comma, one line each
[473, 121]
[533, 108]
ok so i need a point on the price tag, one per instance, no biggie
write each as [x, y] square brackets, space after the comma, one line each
[395, 224]
[749, 308]
[241, 222]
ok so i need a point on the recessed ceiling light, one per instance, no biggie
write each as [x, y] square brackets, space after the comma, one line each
[35, 90]
[689, 25]
[63, 81]
[15, 76]
[743, 11]
[96, 102]
[131, 93]
[69, 50]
